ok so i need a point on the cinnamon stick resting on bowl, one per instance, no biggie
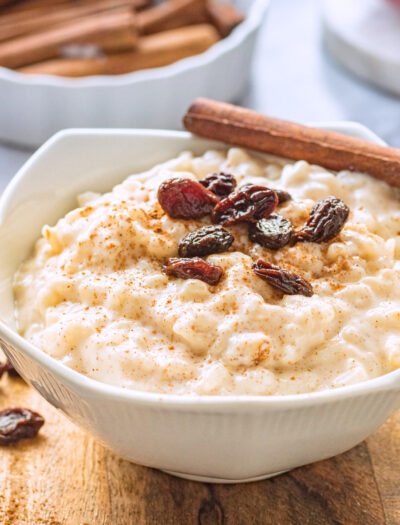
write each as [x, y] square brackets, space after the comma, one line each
[245, 128]
[155, 50]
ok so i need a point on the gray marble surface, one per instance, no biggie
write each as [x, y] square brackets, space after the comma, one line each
[293, 78]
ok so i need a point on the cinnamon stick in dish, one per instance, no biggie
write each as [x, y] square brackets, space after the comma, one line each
[172, 14]
[225, 17]
[17, 24]
[34, 6]
[113, 31]
[17, 6]
[155, 50]
[248, 129]
[5, 3]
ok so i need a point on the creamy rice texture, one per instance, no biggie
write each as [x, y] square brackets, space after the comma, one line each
[93, 295]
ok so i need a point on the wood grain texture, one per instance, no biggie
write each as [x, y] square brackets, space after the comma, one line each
[65, 477]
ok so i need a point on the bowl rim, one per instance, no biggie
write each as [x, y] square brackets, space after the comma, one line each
[93, 387]
[251, 23]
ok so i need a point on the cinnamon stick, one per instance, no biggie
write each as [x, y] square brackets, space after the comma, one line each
[21, 23]
[155, 50]
[21, 7]
[6, 3]
[225, 17]
[108, 31]
[335, 151]
[172, 14]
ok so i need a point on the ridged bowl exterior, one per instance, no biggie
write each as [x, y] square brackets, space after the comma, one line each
[226, 438]
[229, 443]
[37, 106]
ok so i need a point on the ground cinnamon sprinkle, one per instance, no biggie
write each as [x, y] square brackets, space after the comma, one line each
[240, 336]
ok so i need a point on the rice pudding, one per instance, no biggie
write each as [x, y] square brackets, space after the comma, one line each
[94, 294]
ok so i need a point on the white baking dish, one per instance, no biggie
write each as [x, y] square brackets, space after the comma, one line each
[34, 107]
[222, 439]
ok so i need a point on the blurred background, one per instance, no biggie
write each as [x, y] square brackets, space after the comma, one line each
[294, 77]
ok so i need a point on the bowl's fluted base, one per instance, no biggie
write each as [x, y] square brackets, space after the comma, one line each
[206, 479]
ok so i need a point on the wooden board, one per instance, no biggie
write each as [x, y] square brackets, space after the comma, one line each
[65, 477]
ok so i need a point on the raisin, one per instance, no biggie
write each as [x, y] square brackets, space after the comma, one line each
[18, 423]
[273, 232]
[193, 269]
[326, 220]
[283, 196]
[3, 368]
[206, 240]
[186, 199]
[11, 370]
[287, 282]
[249, 204]
[222, 184]
[8, 368]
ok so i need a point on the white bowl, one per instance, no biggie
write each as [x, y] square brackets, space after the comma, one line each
[214, 438]
[34, 107]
